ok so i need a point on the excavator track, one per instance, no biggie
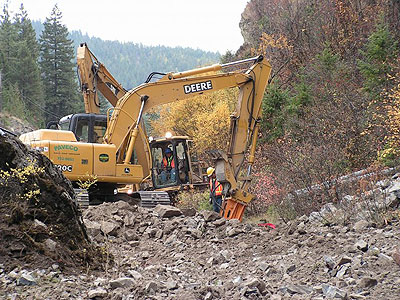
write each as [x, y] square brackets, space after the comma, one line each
[82, 198]
[150, 199]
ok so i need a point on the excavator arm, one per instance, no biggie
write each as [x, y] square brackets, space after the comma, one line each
[124, 126]
[94, 77]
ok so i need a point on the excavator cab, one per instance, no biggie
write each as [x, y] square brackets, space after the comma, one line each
[88, 128]
[170, 162]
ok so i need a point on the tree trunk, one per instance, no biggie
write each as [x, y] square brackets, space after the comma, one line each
[1, 99]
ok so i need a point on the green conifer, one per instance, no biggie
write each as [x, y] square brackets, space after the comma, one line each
[58, 76]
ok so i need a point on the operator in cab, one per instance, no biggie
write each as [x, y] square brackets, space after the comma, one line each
[215, 190]
[168, 173]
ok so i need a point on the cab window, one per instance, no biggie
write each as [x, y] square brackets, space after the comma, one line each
[82, 131]
[182, 163]
[64, 125]
[99, 130]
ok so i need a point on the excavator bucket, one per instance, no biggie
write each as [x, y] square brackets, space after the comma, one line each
[232, 209]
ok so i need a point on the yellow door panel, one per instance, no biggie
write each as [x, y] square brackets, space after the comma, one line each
[104, 159]
[127, 173]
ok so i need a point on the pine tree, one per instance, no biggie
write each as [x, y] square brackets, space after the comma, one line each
[26, 32]
[12, 101]
[8, 40]
[56, 51]
[27, 69]
[379, 58]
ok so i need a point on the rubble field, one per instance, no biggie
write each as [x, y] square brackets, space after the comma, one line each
[166, 253]
[163, 254]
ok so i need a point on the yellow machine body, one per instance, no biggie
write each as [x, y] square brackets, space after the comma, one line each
[82, 161]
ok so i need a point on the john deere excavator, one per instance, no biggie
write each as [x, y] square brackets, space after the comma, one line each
[94, 78]
[125, 157]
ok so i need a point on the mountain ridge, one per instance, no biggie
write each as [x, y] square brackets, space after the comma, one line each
[130, 62]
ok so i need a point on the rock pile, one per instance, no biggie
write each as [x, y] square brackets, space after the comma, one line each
[166, 253]
[370, 206]
[120, 222]
[39, 223]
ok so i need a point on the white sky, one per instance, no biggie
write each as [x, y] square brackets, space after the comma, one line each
[205, 24]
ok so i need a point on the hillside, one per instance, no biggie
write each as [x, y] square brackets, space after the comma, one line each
[333, 103]
[131, 63]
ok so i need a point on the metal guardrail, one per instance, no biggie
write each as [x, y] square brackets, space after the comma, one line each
[343, 179]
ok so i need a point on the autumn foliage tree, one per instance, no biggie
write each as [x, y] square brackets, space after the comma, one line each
[390, 152]
[204, 118]
[333, 97]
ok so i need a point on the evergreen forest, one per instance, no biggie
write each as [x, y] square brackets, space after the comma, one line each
[131, 63]
[38, 64]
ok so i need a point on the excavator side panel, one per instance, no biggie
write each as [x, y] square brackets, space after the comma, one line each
[104, 160]
[72, 158]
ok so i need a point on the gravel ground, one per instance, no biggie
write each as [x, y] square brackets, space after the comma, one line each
[162, 254]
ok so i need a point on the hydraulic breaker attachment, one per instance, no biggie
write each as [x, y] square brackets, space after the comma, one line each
[235, 199]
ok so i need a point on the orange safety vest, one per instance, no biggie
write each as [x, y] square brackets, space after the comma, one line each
[215, 187]
[169, 162]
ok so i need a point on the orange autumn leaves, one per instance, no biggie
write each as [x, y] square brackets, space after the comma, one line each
[204, 118]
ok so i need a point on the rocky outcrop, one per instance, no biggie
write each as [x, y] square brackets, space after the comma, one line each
[14, 125]
[39, 223]
[250, 22]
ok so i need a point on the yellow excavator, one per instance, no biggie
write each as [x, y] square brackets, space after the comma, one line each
[94, 78]
[124, 155]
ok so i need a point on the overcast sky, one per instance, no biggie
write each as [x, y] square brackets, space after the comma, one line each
[206, 24]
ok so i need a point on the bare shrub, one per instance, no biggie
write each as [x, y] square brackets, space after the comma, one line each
[194, 199]
[266, 191]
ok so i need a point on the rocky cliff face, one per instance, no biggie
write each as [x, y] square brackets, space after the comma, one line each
[14, 124]
[253, 23]
[248, 25]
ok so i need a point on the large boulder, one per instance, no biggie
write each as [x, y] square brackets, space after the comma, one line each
[40, 223]
[167, 211]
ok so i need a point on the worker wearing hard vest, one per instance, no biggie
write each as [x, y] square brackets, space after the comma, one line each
[215, 190]
[168, 171]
